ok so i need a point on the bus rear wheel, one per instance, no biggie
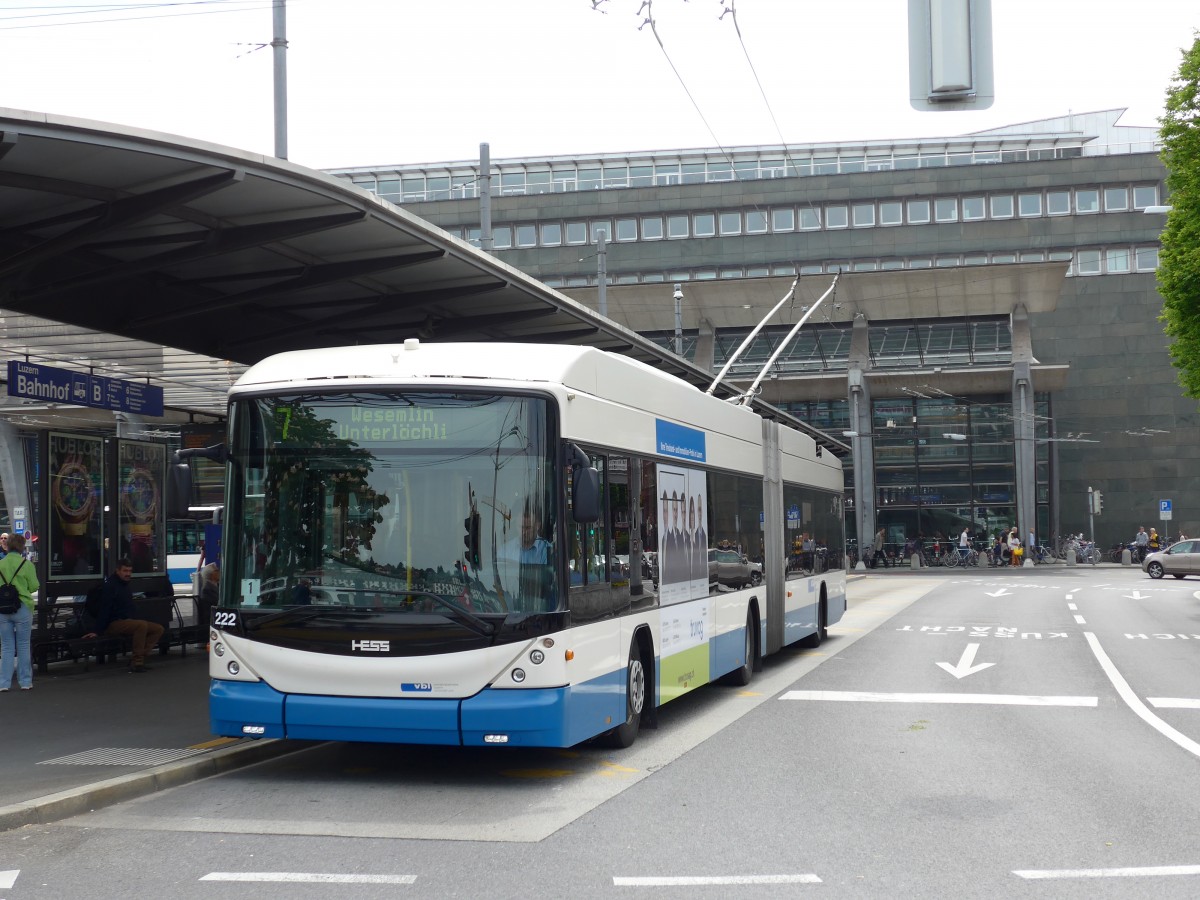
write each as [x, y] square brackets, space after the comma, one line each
[635, 702]
[822, 632]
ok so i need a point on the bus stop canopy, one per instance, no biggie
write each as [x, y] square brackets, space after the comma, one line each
[116, 243]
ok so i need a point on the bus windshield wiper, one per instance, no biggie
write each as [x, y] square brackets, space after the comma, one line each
[294, 614]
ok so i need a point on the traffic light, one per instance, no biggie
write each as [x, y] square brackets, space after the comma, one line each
[471, 540]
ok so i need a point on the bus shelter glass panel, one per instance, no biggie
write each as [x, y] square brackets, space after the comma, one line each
[403, 501]
[76, 503]
[141, 524]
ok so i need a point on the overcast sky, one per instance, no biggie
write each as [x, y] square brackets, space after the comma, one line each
[374, 82]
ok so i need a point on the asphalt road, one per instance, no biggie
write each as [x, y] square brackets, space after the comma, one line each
[982, 734]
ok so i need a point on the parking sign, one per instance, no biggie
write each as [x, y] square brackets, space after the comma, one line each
[1164, 510]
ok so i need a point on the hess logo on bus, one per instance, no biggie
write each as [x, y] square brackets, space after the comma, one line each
[371, 646]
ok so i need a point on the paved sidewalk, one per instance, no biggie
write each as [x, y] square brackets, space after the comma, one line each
[82, 739]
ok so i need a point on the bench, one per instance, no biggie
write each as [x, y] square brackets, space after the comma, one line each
[62, 638]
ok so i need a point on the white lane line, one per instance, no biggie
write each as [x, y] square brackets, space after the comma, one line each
[8, 879]
[1132, 701]
[695, 880]
[1156, 702]
[1071, 597]
[1130, 872]
[1071, 606]
[309, 878]
[1079, 620]
[998, 699]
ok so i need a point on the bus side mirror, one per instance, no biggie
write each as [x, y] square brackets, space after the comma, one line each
[585, 481]
[179, 490]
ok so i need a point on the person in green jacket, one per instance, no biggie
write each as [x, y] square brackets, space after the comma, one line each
[15, 627]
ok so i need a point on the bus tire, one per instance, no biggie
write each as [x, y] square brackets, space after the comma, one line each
[635, 702]
[740, 677]
[822, 632]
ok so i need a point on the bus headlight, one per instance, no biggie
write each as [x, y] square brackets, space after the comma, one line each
[518, 675]
[219, 649]
[233, 667]
[536, 657]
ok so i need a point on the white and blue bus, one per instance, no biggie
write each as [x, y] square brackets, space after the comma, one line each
[452, 544]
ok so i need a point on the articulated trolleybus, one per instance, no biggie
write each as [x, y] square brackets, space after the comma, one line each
[474, 544]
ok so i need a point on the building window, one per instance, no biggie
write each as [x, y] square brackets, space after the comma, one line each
[810, 219]
[1003, 258]
[783, 270]
[891, 213]
[756, 222]
[626, 229]
[526, 236]
[641, 176]
[836, 216]
[601, 225]
[757, 272]
[652, 228]
[589, 179]
[946, 209]
[1002, 206]
[864, 214]
[677, 226]
[627, 279]
[694, 173]
[973, 209]
[783, 220]
[1116, 199]
[731, 223]
[1058, 203]
[1116, 261]
[918, 212]
[1087, 262]
[472, 236]
[577, 232]
[892, 264]
[666, 173]
[868, 265]
[551, 234]
[704, 225]
[1033, 256]
[1029, 204]
[946, 262]
[616, 176]
[537, 182]
[811, 270]
[920, 263]
[1087, 201]
[502, 237]
[731, 273]
[1145, 195]
[1147, 259]
[706, 275]
[975, 259]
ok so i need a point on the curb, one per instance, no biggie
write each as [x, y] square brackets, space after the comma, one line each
[53, 807]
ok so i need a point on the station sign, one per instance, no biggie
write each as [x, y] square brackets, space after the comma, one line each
[47, 384]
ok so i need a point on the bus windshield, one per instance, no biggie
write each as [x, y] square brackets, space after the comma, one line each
[435, 501]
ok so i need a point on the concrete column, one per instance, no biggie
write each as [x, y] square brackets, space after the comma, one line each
[1024, 424]
[706, 346]
[14, 477]
[862, 446]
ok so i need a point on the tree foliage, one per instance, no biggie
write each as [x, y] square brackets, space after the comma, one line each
[1179, 262]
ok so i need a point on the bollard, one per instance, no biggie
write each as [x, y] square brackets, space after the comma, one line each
[1028, 564]
[1126, 557]
[860, 566]
[915, 562]
[1071, 557]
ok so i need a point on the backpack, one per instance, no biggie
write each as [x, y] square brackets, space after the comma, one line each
[10, 597]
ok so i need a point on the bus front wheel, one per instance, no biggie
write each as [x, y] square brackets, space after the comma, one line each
[635, 701]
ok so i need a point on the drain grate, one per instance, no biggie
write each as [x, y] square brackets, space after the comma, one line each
[121, 756]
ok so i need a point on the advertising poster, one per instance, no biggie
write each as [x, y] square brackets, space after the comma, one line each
[141, 473]
[683, 537]
[76, 539]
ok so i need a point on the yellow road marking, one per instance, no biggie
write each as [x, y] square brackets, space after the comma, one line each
[211, 745]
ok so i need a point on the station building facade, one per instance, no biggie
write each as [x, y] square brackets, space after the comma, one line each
[992, 350]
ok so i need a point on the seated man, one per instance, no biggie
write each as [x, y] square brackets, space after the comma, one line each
[529, 558]
[115, 611]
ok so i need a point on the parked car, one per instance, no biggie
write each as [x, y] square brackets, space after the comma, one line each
[729, 569]
[1180, 559]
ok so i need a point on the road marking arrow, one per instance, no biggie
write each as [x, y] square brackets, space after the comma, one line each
[1000, 593]
[965, 666]
[1137, 595]
[8, 879]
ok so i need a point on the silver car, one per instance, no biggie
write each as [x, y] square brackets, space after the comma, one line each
[1180, 559]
